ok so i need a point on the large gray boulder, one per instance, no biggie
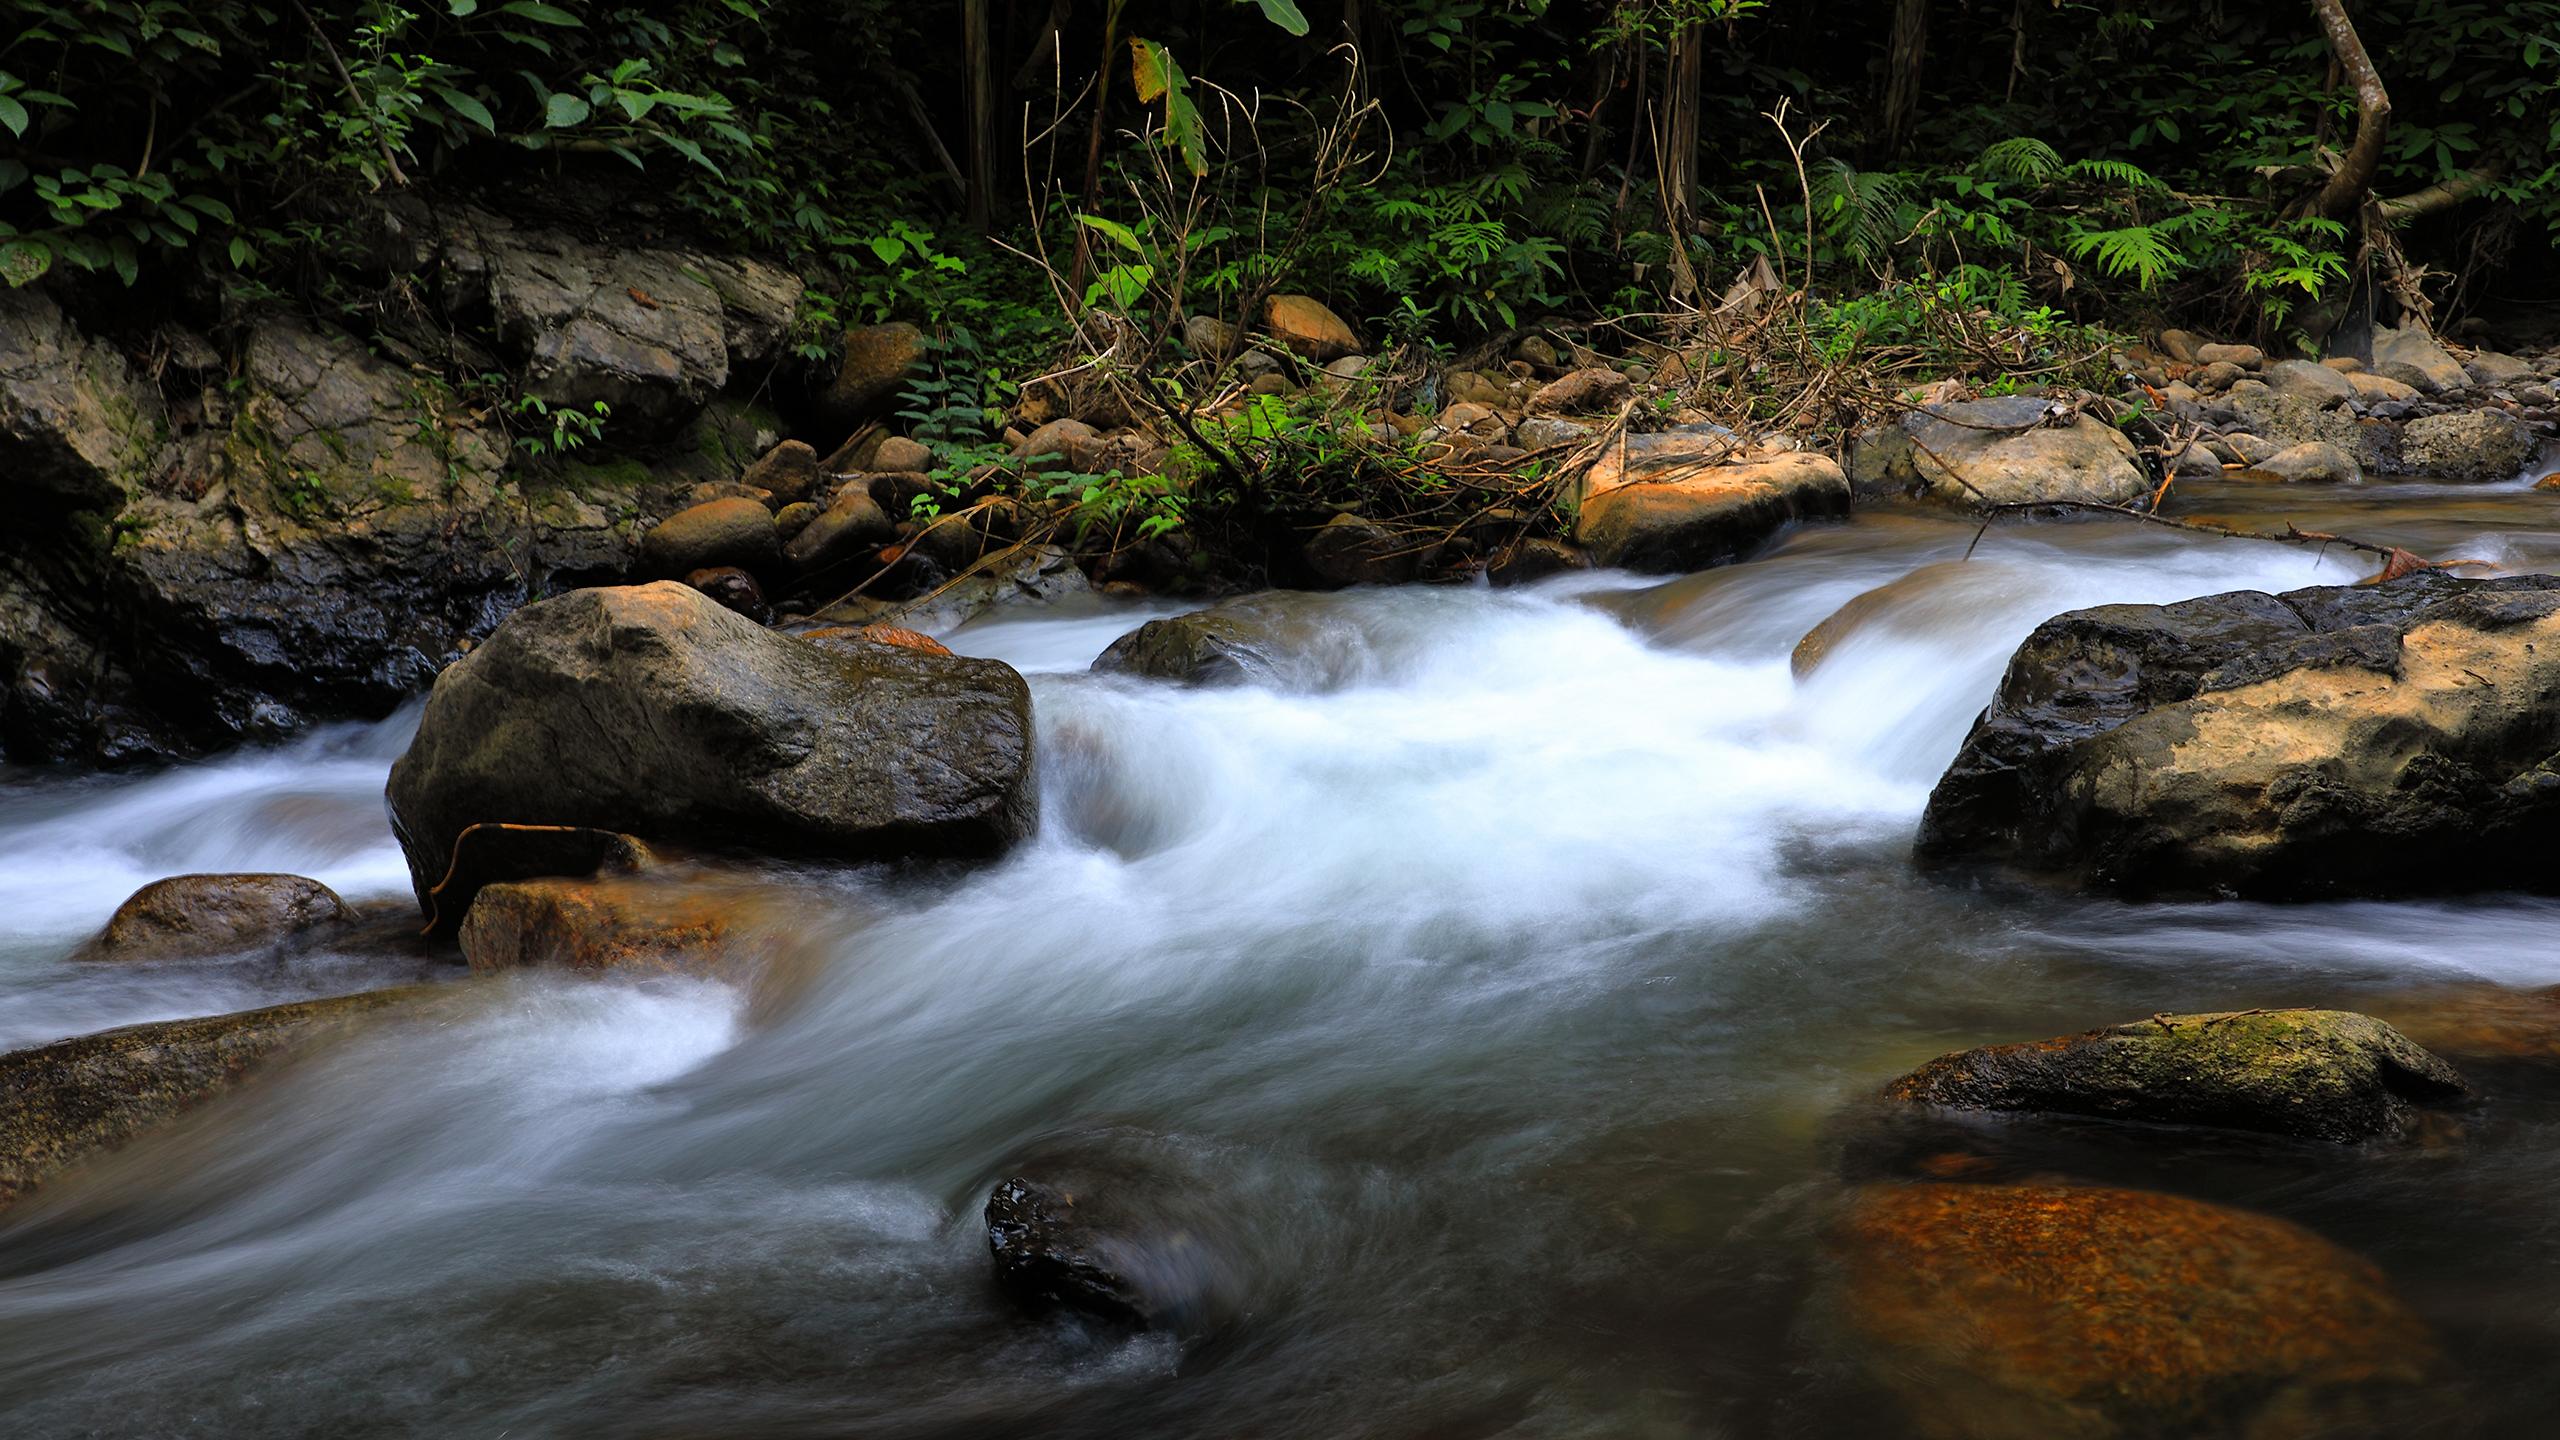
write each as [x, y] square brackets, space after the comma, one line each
[651, 711]
[2411, 356]
[77, 427]
[652, 333]
[1281, 638]
[2467, 445]
[2011, 450]
[2350, 740]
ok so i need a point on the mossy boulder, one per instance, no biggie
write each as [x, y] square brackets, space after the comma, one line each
[63, 1102]
[2006, 1312]
[2311, 1074]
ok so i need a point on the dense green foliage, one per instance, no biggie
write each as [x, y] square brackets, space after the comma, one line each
[1491, 161]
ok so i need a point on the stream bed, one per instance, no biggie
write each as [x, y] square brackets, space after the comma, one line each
[1505, 980]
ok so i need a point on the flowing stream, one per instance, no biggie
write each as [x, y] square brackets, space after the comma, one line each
[1496, 980]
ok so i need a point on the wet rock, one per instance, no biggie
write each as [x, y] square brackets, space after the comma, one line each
[646, 922]
[64, 1102]
[2412, 357]
[2246, 357]
[2003, 1312]
[1080, 1242]
[2013, 450]
[2467, 445]
[2180, 346]
[651, 711]
[2316, 384]
[2315, 463]
[1014, 575]
[735, 532]
[788, 472]
[1254, 640]
[1304, 325]
[735, 589]
[2478, 1021]
[190, 916]
[492, 854]
[877, 361]
[848, 532]
[1352, 550]
[1669, 502]
[840, 637]
[2344, 740]
[1591, 390]
[1531, 559]
[2308, 1074]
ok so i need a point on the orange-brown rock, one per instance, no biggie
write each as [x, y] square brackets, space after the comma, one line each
[609, 922]
[1671, 502]
[1305, 325]
[877, 361]
[2480, 1021]
[2063, 1313]
[490, 854]
[835, 636]
[186, 916]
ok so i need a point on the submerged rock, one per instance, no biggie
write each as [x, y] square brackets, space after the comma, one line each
[62, 1102]
[2380, 739]
[1093, 1245]
[652, 711]
[2309, 1074]
[1260, 639]
[187, 916]
[1673, 502]
[2005, 1312]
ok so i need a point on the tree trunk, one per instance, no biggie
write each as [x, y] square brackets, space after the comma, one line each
[1686, 68]
[1904, 64]
[2346, 189]
[977, 49]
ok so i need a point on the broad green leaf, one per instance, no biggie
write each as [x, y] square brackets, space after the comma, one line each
[23, 262]
[540, 14]
[468, 108]
[565, 111]
[1120, 235]
[1285, 14]
[13, 115]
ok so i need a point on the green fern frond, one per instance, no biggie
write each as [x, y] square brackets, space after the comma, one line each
[2140, 251]
[2023, 157]
[2123, 174]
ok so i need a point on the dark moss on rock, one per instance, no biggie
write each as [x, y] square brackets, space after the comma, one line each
[2309, 1074]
